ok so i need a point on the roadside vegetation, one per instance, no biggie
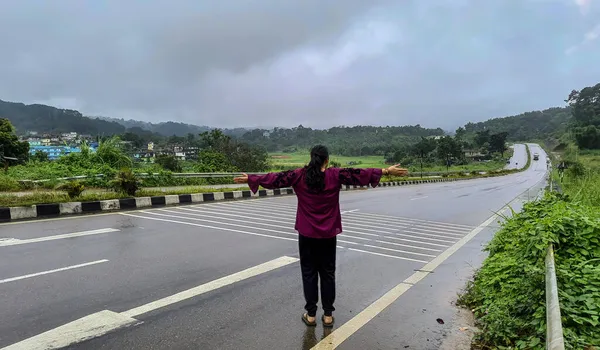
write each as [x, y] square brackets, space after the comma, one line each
[507, 294]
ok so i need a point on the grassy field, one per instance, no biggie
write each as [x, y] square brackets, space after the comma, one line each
[584, 188]
[282, 161]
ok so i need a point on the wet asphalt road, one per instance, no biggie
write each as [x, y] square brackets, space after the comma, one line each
[138, 257]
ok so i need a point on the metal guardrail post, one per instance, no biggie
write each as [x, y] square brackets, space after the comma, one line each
[554, 331]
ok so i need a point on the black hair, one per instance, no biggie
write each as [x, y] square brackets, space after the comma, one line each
[315, 178]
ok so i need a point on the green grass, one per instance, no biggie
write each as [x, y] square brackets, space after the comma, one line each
[586, 187]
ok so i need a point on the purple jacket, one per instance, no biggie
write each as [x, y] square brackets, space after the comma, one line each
[318, 214]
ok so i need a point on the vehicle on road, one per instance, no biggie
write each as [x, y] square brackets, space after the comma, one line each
[536, 156]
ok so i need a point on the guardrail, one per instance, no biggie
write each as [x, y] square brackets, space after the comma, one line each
[225, 175]
[554, 331]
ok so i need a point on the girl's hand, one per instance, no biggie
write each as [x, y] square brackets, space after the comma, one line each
[242, 179]
[396, 170]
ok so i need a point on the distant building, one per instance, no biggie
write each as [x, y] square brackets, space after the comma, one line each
[55, 152]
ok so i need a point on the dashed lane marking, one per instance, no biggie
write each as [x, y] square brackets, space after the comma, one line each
[12, 279]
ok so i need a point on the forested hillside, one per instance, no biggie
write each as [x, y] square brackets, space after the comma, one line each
[536, 125]
[43, 118]
[345, 141]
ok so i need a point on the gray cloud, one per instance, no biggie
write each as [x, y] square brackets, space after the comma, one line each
[315, 62]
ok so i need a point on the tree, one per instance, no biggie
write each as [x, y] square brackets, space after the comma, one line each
[587, 137]
[168, 162]
[236, 154]
[460, 133]
[498, 143]
[449, 149]
[482, 137]
[40, 156]
[423, 148]
[585, 107]
[10, 146]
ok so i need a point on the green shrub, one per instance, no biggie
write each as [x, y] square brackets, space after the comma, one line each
[73, 188]
[7, 184]
[508, 292]
[126, 182]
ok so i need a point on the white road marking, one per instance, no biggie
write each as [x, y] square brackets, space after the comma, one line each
[413, 220]
[52, 271]
[441, 232]
[210, 286]
[11, 242]
[221, 223]
[408, 246]
[446, 238]
[417, 198]
[386, 255]
[448, 243]
[339, 335]
[103, 322]
[221, 218]
[398, 251]
[211, 227]
[349, 211]
[85, 328]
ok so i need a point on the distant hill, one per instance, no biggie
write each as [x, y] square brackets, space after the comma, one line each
[165, 129]
[43, 118]
[535, 125]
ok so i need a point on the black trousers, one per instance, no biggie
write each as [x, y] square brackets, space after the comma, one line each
[317, 260]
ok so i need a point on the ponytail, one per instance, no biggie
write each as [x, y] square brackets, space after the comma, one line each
[315, 177]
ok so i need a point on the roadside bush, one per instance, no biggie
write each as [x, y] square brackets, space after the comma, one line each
[508, 292]
[170, 163]
[73, 188]
[335, 164]
[126, 182]
[575, 168]
[8, 184]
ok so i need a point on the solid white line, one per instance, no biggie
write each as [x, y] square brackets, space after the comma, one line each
[211, 227]
[398, 251]
[439, 231]
[55, 237]
[405, 224]
[229, 219]
[408, 246]
[91, 326]
[339, 335]
[228, 213]
[221, 223]
[446, 238]
[420, 240]
[408, 224]
[103, 322]
[52, 271]
[210, 286]
[386, 255]
[349, 211]
[360, 233]
[417, 198]
[447, 241]
[411, 220]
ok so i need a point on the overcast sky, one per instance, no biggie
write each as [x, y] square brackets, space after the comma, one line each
[318, 63]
